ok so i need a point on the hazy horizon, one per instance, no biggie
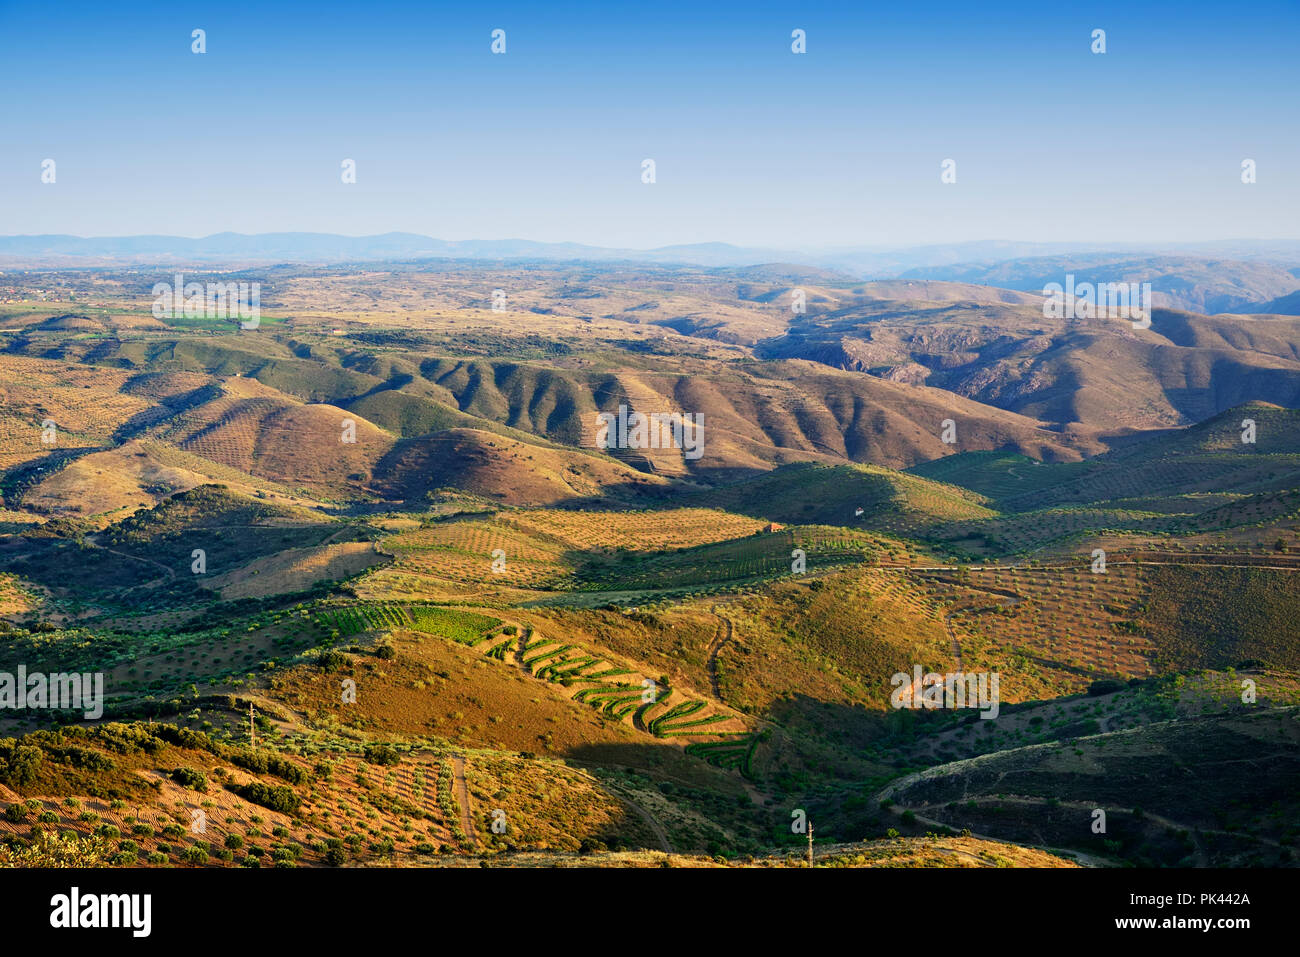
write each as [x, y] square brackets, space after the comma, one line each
[1117, 244]
[754, 145]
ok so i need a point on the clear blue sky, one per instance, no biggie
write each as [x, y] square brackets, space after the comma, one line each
[753, 144]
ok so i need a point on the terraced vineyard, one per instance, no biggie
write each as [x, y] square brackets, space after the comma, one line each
[470, 637]
[626, 694]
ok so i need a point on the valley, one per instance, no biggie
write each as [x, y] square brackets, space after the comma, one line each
[366, 590]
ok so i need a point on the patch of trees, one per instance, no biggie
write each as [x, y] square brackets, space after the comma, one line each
[260, 762]
[275, 797]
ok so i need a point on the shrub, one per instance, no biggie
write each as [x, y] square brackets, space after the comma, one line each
[234, 842]
[381, 754]
[18, 765]
[276, 797]
[330, 660]
[261, 763]
[190, 778]
[184, 737]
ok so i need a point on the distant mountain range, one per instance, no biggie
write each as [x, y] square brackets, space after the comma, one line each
[1249, 276]
[1194, 283]
[860, 262]
[329, 247]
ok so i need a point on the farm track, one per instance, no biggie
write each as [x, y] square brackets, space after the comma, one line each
[1088, 860]
[952, 638]
[1276, 568]
[168, 572]
[888, 792]
[652, 823]
[1088, 806]
[714, 647]
[1169, 824]
[462, 798]
[1075, 566]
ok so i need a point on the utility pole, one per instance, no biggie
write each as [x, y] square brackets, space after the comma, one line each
[810, 832]
[252, 728]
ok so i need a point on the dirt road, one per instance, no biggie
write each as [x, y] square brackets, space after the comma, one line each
[462, 798]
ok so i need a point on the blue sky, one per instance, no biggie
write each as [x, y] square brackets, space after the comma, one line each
[753, 144]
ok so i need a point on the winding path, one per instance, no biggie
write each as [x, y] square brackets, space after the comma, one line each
[714, 647]
[651, 823]
[168, 572]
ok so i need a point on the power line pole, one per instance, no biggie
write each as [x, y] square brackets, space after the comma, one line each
[810, 854]
[252, 728]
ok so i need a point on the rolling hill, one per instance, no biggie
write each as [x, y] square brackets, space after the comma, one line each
[360, 582]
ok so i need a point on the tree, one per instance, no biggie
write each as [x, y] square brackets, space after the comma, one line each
[57, 850]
